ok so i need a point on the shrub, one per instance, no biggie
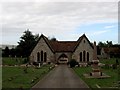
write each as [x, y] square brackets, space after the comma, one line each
[49, 62]
[117, 62]
[106, 66]
[89, 63]
[73, 63]
[35, 63]
[114, 66]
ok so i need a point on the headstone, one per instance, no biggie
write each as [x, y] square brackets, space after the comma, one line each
[39, 65]
[95, 61]
[95, 52]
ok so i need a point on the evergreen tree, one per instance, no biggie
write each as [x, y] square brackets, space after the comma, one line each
[6, 52]
[26, 43]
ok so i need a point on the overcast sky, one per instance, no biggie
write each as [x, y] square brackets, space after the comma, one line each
[63, 20]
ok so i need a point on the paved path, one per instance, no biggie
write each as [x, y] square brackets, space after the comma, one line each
[61, 77]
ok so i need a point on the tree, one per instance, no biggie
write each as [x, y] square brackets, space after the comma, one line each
[53, 39]
[73, 63]
[13, 52]
[26, 43]
[109, 43]
[101, 44]
[6, 52]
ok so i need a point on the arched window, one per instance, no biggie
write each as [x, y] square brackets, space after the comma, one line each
[80, 56]
[41, 56]
[38, 57]
[87, 56]
[84, 56]
[84, 41]
[45, 56]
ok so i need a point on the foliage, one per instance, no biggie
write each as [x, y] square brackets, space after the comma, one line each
[52, 39]
[73, 63]
[26, 44]
[6, 52]
[105, 44]
[13, 52]
[114, 66]
[117, 62]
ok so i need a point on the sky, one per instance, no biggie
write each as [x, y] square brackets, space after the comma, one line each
[66, 21]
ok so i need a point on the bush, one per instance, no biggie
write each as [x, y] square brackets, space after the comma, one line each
[73, 63]
[106, 66]
[89, 63]
[117, 62]
[114, 66]
[35, 63]
[49, 62]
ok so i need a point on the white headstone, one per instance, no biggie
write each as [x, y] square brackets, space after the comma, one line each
[39, 64]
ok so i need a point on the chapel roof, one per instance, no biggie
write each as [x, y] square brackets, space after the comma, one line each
[64, 46]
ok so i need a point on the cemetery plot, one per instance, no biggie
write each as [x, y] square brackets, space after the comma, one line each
[18, 77]
[109, 67]
[11, 61]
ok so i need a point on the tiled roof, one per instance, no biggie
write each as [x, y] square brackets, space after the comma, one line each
[111, 49]
[64, 46]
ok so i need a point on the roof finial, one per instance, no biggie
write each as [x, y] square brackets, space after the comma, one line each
[84, 34]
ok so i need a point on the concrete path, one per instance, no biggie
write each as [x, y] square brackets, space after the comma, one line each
[61, 77]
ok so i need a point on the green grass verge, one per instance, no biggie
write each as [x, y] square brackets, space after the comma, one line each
[109, 61]
[103, 83]
[13, 61]
[15, 77]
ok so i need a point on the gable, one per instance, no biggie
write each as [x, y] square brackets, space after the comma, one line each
[83, 40]
[63, 46]
[42, 43]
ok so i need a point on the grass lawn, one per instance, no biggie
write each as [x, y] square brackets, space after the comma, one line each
[103, 83]
[13, 61]
[109, 61]
[15, 77]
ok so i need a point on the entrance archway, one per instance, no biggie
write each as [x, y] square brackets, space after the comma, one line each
[63, 59]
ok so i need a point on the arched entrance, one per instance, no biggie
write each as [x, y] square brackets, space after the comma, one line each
[63, 59]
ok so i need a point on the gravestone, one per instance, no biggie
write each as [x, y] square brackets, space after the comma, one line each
[96, 72]
[39, 65]
[95, 68]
